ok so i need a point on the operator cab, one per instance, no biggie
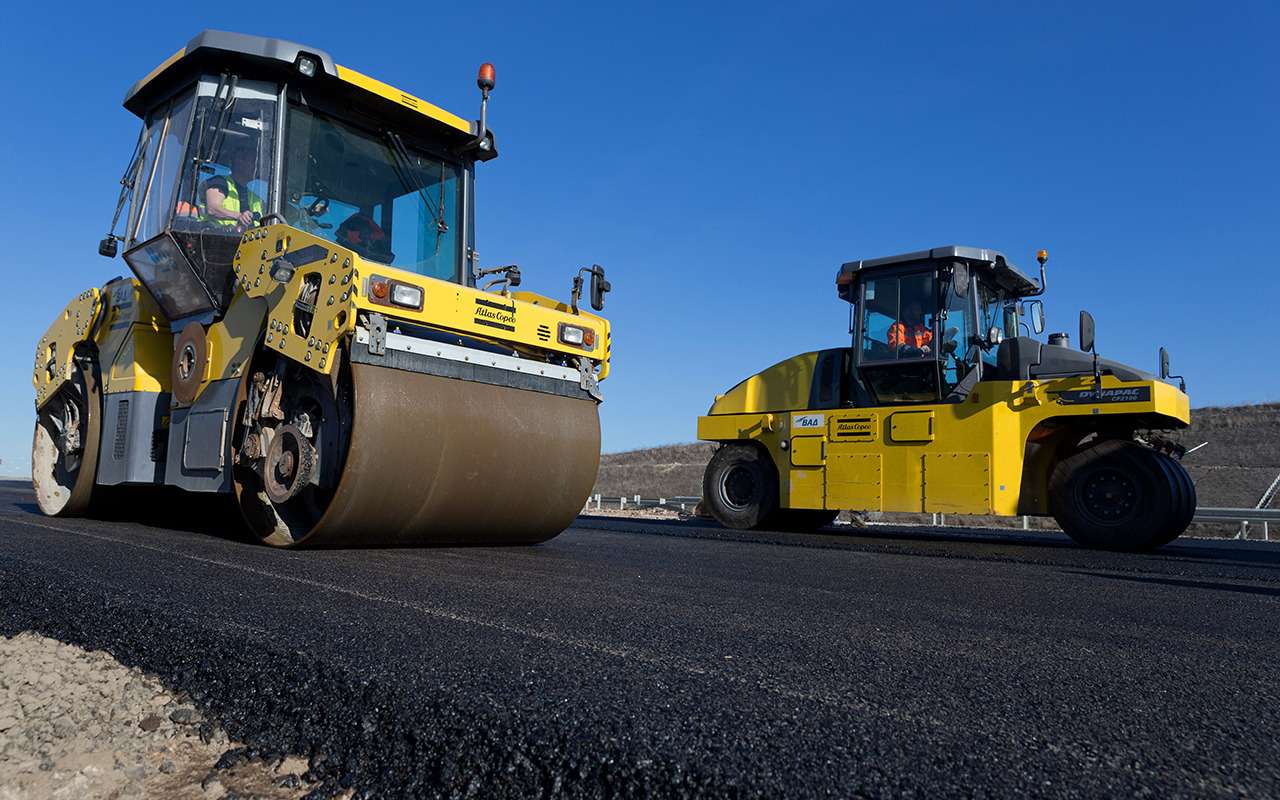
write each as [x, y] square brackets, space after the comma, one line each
[926, 325]
[238, 130]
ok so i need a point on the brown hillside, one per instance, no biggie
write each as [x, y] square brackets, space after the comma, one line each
[1240, 460]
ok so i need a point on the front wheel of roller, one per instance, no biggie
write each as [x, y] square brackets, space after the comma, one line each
[64, 449]
[740, 488]
[1119, 495]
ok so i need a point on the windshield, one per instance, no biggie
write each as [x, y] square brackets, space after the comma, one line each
[995, 311]
[374, 193]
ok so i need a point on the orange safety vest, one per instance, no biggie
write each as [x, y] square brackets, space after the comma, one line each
[918, 335]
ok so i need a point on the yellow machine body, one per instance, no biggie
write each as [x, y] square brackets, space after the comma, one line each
[955, 458]
[343, 395]
[941, 404]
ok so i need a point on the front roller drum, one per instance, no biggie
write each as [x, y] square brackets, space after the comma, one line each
[439, 461]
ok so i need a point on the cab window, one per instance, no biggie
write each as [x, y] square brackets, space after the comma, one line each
[899, 318]
[991, 310]
[375, 193]
[957, 335]
[898, 338]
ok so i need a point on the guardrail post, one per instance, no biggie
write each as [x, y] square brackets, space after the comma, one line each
[597, 501]
[935, 519]
[942, 520]
[622, 503]
[1026, 523]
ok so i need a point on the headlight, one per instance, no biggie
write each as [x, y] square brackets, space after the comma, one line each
[387, 292]
[405, 295]
[579, 337]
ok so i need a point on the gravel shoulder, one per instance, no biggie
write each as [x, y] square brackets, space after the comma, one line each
[79, 724]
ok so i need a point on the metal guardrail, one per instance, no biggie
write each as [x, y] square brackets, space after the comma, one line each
[598, 502]
[1263, 515]
[1245, 517]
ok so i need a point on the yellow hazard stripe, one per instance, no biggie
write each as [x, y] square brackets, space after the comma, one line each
[403, 98]
[168, 62]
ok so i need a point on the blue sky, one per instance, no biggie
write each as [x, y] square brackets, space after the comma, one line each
[721, 161]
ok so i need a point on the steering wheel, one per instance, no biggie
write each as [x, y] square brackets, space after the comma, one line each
[305, 217]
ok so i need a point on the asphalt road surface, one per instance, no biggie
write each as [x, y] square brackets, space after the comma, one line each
[635, 658]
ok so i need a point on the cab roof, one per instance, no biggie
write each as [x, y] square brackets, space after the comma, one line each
[991, 262]
[215, 51]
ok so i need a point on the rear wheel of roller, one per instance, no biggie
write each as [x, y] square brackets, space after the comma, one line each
[64, 449]
[1119, 495]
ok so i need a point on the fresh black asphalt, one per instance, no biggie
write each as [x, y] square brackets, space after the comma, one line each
[632, 658]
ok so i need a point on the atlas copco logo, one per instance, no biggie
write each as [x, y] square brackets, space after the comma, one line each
[495, 315]
[1126, 394]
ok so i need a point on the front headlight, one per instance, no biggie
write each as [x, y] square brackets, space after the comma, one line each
[405, 295]
[578, 337]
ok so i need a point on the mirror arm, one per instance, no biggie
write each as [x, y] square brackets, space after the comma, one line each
[1044, 283]
[1041, 256]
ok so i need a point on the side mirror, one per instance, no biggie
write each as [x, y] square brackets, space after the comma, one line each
[1165, 372]
[960, 279]
[1086, 332]
[1035, 310]
[599, 287]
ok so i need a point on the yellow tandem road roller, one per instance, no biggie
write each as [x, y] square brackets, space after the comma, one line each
[308, 325]
[940, 405]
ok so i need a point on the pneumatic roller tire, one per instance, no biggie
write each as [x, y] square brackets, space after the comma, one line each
[1119, 495]
[1184, 509]
[740, 487]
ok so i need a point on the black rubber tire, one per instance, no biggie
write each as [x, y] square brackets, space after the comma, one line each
[740, 487]
[1184, 510]
[1119, 495]
[801, 520]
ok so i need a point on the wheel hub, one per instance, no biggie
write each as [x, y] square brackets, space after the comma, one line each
[290, 464]
[1110, 495]
[739, 488]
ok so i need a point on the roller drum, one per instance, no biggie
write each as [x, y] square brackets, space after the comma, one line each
[435, 460]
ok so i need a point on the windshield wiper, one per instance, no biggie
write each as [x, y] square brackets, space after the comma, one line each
[405, 169]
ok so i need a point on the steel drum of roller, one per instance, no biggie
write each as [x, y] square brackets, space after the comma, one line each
[422, 459]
